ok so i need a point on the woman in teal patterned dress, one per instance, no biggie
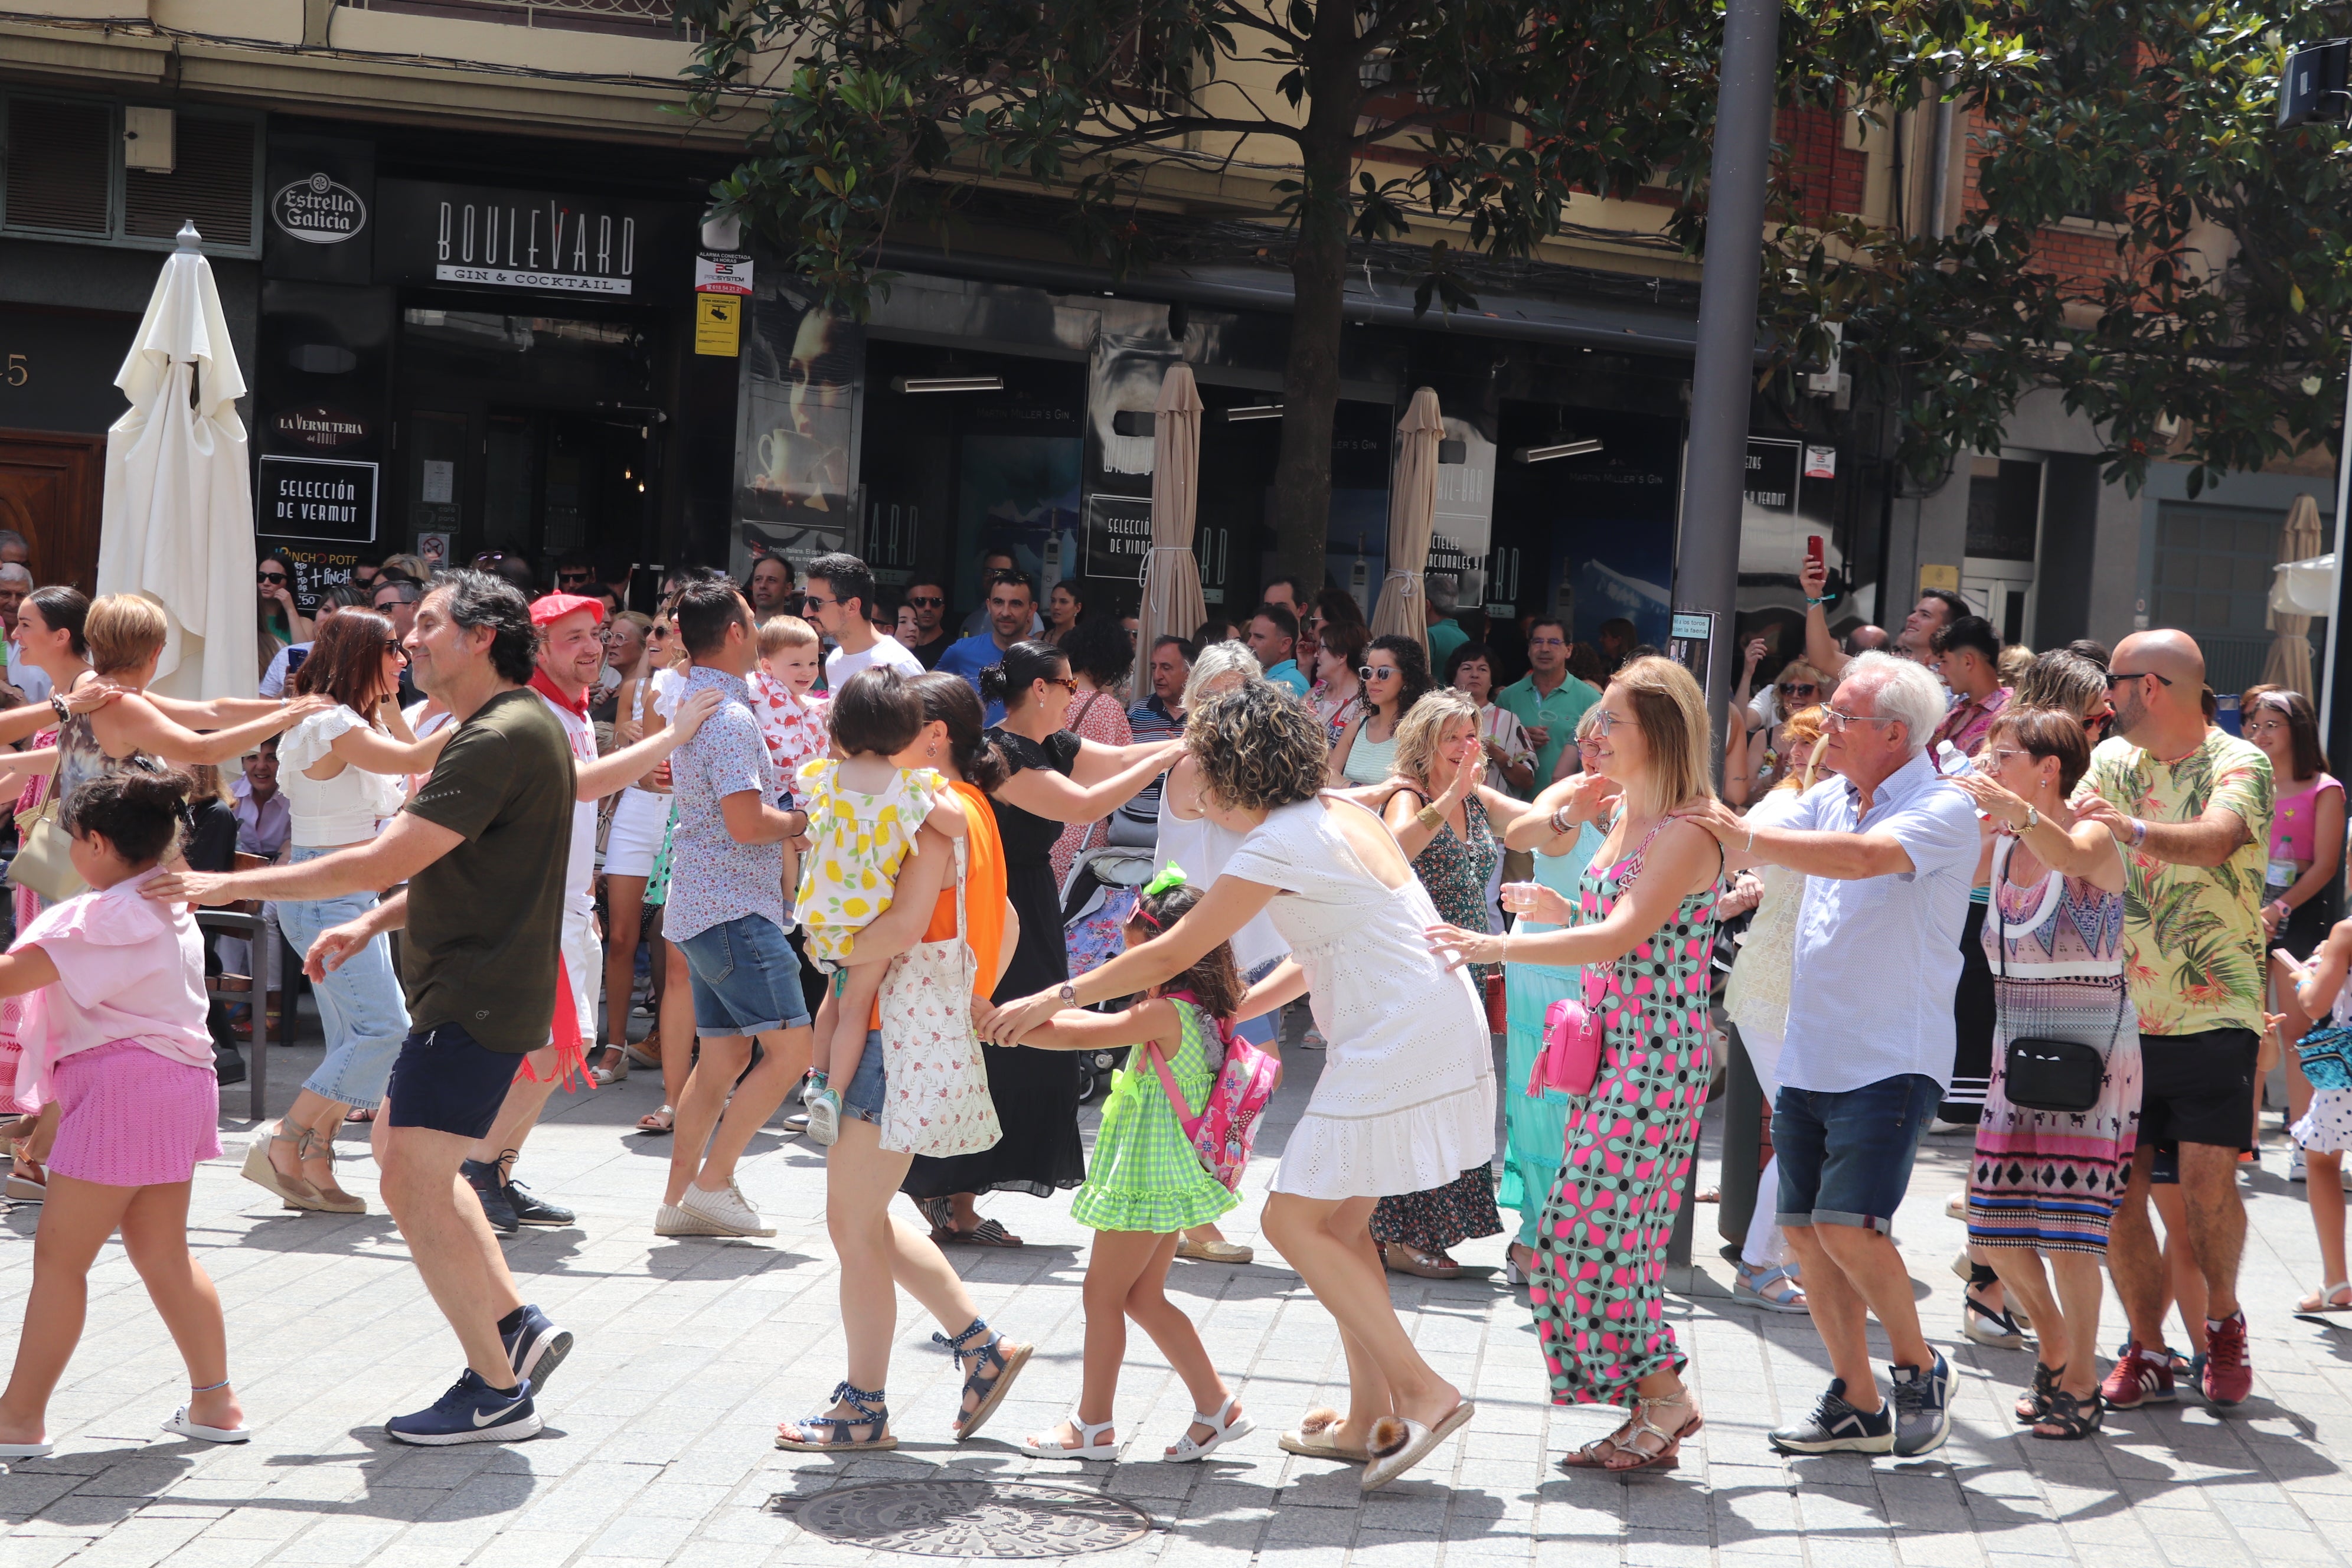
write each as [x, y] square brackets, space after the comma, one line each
[1560, 828]
[1444, 818]
[1643, 924]
[1145, 1186]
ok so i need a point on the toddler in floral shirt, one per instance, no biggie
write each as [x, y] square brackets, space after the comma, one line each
[790, 712]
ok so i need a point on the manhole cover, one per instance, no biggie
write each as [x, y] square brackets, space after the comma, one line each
[973, 1518]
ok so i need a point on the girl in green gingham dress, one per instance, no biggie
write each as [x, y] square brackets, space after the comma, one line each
[1145, 1186]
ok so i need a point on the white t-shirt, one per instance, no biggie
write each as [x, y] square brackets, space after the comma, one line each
[29, 679]
[580, 873]
[886, 651]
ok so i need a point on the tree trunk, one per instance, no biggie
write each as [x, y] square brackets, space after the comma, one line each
[1301, 514]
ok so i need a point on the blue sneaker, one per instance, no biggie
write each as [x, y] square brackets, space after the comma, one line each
[537, 1349]
[471, 1411]
[1923, 1407]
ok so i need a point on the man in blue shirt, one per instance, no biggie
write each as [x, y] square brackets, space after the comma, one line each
[1011, 606]
[1272, 637]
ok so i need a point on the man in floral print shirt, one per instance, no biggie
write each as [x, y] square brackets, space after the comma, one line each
[2192, 808]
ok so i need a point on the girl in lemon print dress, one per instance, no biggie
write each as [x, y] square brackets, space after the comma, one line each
[864, 811]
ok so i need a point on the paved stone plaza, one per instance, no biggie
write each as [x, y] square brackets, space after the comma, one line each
[657, 1444]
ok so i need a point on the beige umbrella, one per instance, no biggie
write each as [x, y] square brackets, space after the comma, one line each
[2289, 663]
[1413, 517]
[1172, 605]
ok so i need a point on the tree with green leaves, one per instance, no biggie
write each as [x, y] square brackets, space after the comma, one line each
[2209, 323]
[881, 114]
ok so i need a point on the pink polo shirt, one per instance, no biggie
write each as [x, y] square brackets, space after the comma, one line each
[128, 969]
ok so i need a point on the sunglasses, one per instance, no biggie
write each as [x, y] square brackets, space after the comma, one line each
[657, 632]
[818, 601]
[1066, 682]
[925, 601]
[1375, 672]
[490, 557]
[572, 579]
[1800, 689]
[271, 577]
[2116, 679]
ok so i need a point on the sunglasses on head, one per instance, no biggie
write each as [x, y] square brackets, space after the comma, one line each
[272, 577]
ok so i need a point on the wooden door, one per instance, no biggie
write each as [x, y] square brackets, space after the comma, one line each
[51, 487]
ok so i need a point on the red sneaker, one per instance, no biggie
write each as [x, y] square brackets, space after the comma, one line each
[2140, 1377]
[2228, 1373]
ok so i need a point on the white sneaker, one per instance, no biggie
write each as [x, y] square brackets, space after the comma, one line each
[2294, 1170]
[725, 1212]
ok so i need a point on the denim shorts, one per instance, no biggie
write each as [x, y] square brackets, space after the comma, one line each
[863, 1097]
[1845, 1157]
[446, 1081]
[361, 1006]
[747, 979]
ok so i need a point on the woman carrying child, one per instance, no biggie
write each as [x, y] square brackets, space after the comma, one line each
[114, 1032]
[1145, 1186]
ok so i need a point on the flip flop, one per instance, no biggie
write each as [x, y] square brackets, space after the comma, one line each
[181, 1426]
[1408, 1443]
[651, 1125]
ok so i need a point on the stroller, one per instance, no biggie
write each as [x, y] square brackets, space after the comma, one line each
[1096, 900]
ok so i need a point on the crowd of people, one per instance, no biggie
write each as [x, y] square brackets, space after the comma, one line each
[841, 851]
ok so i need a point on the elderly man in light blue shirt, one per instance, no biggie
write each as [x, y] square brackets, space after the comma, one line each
[1889, 848]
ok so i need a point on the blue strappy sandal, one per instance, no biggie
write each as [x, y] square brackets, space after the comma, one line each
[990, 1388]
[871, 1412]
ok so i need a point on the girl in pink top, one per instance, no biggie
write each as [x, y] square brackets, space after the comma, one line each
[113, 1034]
[2307, 861]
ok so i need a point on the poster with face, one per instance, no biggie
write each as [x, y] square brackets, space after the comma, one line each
[795, 446]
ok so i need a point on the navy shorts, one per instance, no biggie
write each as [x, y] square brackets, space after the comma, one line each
[745, 979]
[1845, 1157]
[446, 1080]
[863, 1097]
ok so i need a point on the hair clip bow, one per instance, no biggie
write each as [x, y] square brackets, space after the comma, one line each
[1171, 876]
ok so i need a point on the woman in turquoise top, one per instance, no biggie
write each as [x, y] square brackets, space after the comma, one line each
[1145, 1186]
[1395, 676]
[1560, 828]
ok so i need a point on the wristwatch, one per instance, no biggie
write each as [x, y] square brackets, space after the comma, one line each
[1069, 995]
[2033, 820]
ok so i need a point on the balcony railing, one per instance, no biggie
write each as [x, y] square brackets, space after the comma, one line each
[640, 19]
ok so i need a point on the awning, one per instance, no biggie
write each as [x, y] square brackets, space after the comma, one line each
[2305, 587]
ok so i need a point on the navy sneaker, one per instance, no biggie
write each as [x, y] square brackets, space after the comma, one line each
[1835, 1426]
[536, 1349]
[471, 1411]
[1923, 1406]
[530, 1208]
[490, 1185]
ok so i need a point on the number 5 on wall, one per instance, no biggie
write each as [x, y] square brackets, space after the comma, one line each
[19, 371]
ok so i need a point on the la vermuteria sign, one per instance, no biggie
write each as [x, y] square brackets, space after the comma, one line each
[315, 498]
[546, 242]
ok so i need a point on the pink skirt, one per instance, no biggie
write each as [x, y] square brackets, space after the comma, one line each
[131, 1118]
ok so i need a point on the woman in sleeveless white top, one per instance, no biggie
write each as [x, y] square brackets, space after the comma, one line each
[1406, 1097]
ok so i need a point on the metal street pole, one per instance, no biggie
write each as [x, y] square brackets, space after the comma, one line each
[1707, 570]
[2335, 696]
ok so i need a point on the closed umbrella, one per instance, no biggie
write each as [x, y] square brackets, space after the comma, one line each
[1403, 610]
[2289, 663]
[1172, 604]
[178, 519]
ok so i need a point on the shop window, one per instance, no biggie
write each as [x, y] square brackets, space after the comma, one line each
[65, 176]
[2214, 571]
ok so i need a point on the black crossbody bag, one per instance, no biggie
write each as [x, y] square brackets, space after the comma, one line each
[2039, 1073]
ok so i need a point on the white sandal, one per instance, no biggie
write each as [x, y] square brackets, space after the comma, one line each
[179, 1426]
[1049, 1445]
[2325, 1301]
[1185, 1451]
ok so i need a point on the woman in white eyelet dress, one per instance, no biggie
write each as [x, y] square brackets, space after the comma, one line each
[1405, 1100]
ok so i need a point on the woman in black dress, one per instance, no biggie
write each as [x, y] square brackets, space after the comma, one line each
[1056, 779]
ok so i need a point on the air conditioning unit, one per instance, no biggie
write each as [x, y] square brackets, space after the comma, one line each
[147, 139]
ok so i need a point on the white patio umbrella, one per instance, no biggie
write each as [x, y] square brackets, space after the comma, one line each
[178, 519]
[1403, 607]
[1173, 602]
[2289, 661]
[2305, 587]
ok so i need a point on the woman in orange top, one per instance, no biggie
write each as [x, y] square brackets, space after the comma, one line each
[878, 1251]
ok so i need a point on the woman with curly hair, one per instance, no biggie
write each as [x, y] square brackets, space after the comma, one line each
[1406, 1098]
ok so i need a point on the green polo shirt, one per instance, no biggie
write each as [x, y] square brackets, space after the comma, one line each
[1444, 637]
[1557, 712]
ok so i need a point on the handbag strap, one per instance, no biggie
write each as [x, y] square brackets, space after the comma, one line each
[2003, 849]
[1191, 1120]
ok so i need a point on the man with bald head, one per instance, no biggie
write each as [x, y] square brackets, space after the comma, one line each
[2191, 807]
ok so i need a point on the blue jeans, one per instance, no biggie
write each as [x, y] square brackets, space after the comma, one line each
[747, 979]
[1845, 1157]
[862, 1096]
[360, 1005]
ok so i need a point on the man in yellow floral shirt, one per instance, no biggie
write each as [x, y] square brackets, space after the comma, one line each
[2191, 807]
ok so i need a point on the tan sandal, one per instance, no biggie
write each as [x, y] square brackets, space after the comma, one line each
[1315, 1439]
[293, 1190]
[332, 1197]
[1399, 1259]
[1621, 1451]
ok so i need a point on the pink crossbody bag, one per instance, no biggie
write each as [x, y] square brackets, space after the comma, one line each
[1569, 1060]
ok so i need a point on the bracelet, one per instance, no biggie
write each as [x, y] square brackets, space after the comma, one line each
[1824, 599]
[1559, 829]
[2139, 832]
[58, 706]
[1429, 817]
[1751, 848]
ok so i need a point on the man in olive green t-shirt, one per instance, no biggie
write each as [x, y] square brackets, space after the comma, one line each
[483, 847]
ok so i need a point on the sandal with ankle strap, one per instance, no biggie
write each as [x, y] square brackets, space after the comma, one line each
[1049, 1445]
[2034, 1404]
[1598, 1454]
[294, 1191]
[989, 1388]
[331, 1198]
[871, 1413]
[2325, 1299]
[1223, 1428]
[2074, 1416]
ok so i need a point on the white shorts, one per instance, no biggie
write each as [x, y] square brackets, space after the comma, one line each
[636, 834]
[584, 967]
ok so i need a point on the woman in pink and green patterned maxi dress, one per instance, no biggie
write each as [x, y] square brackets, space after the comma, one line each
[1644, 926]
